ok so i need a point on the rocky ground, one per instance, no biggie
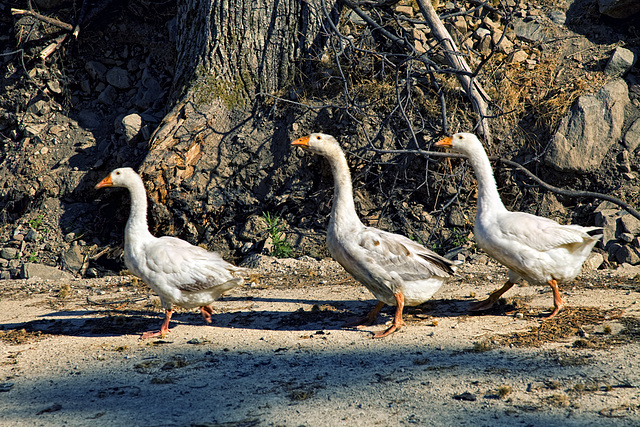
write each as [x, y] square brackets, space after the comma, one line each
[90, 107]
[275, 354]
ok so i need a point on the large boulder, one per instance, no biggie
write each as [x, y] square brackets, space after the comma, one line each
[619, 8]
[588, 131]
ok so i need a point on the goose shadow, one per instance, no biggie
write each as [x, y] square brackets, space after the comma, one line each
[324, 315]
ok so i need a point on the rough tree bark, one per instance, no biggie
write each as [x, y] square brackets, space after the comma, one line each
[228, 51]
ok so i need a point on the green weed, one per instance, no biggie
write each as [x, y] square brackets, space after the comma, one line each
[281, 248]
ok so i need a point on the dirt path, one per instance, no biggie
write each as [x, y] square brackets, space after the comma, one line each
[275, 355]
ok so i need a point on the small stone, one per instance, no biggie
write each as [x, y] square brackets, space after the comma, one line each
[44, 272]
[131, 125]
[405, 10]
[466, 396]
[73, 259]
[630, 224]
[96, 70]
[632, 136]
[32, 235]
[118, 78]
[519, 56]
[505, 46]
[593, 262]
[9, 253]
[481, 33]
[558, 17]
[54, 86]
[107, 96]
[620, 62]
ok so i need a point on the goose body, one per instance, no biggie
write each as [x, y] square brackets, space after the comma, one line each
[180, 273]
[397, 270]
[534, 248]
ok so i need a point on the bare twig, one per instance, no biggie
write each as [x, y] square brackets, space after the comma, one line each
[43, 18]
[528, 173]
[47, 51]
[472, 87]
[119, 302]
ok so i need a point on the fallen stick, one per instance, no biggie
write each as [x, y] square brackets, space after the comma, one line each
[472, 87]
[46, 19]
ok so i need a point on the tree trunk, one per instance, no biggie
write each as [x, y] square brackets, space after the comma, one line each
[205, 157]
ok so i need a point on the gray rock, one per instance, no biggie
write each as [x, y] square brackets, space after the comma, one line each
[626, 254]
[593, 262]
[85, 86]
[118, 77]
[618, 8]
[627, 270]
[8, 253]
[89, 119]
[73, 259]
[558, 17]
[629, 224]
[253, 229]
[481, 33]
[131, 125]
[40, 108]
[54, 86]
[626, 237]
[96, 70]
[608, 220]
[31, 270]
[107, 96]
[620, 62]
[457, 218]
[529, 31]
[632, 136]
[588, 131]
[4, 263]
[32, 236]
[5, 275]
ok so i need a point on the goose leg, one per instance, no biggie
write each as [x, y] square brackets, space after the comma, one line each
[495, 295]
[368, 319]
[397, 320]
[163, 329]
[207, 311]
[558, 303]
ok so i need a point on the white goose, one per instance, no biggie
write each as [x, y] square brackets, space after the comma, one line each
[182, 274]
[536, 249]
[397, 270]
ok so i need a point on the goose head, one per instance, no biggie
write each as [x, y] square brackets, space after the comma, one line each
[120, 177]
[319, 143]
[463, 143]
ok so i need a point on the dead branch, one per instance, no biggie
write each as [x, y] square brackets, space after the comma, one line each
[520, 168]
[43, 18]
[47, 51]
[472, 87]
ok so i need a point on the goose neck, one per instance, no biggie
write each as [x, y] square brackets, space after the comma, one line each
[343, 208]
[137, 226]
[488, 196]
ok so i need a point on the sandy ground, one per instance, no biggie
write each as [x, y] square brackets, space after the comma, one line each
[276, 354]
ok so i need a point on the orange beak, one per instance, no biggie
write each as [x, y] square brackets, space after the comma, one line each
[105, 183]
[445, 142]
[302, 142]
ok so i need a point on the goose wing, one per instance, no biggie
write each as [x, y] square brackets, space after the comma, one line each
[540, 233]
[188, 267]
[403, 256]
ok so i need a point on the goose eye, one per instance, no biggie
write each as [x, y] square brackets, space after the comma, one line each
[318, 137]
